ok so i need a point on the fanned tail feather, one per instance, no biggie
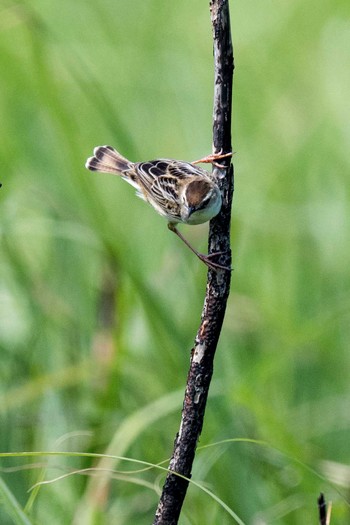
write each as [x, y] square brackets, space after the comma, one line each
[107, 160]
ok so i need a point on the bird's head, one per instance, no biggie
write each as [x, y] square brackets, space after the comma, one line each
[201, 201]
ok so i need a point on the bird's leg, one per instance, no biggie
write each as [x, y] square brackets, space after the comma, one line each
[213, 158]
[204, 258]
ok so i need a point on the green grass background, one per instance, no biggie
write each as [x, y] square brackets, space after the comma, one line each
[100, 303]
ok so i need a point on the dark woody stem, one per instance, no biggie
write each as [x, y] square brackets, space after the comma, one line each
[218, 282]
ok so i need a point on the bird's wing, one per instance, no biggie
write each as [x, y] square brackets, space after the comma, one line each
[150, 171]
[160, 185]
[184, 170]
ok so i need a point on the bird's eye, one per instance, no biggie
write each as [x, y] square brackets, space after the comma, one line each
[204, 203]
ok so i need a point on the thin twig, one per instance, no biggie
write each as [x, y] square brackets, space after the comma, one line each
[218, 283]
[324, 510]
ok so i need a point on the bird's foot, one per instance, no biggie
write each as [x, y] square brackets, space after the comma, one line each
[207, 259]
[211, 159]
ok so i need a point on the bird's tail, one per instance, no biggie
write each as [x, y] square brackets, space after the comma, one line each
[107, 160]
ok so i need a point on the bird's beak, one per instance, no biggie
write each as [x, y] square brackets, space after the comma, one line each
[187, 212]
[191, 209]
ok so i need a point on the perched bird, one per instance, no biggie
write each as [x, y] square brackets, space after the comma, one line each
[177, 190]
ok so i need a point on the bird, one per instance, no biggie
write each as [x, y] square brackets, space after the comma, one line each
[180, 191]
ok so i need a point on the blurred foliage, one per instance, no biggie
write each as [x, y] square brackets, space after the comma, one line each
[100, 302]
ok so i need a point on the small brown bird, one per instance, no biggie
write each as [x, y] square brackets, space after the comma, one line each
[177, 190]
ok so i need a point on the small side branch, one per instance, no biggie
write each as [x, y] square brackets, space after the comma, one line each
[218, 283]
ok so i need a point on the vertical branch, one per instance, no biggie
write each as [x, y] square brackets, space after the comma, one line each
[218, 283]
